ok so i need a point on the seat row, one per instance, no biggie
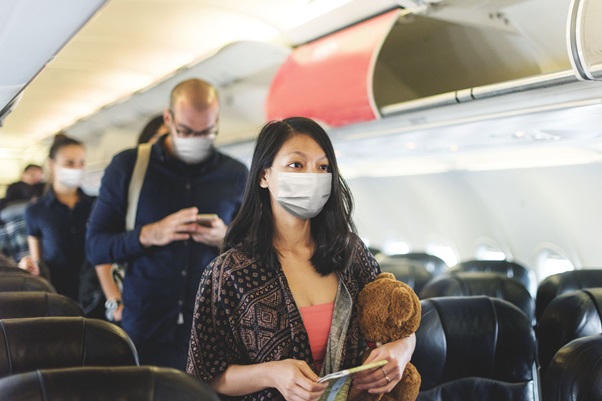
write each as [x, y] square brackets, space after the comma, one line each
[479, 347]
[49, 351]
[567, 310]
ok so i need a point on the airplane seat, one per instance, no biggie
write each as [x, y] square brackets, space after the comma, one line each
[560, 283]
[410, 272]
[485, 283]
[132, 383]
[8, 269]
[475, 349]
[575, 373]
[503, 267]
[23, 304]
[6, 261]
[27, 344]
[24, 282]
[376, 252]
[569, 316]
[433, 264]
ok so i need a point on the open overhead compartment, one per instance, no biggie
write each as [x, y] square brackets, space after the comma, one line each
[426, 57]
[330, 79]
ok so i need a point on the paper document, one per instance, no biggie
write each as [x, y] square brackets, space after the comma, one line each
[347, 372]
[340, 382]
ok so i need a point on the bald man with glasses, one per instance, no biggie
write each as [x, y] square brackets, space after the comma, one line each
[168, 248]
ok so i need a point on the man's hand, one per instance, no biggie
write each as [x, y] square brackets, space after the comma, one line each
[175, 227]
[210, 235]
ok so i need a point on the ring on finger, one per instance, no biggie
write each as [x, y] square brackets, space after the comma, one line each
[385, 373]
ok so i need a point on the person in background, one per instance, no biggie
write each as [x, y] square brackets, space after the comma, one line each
[13, 233]
[153, 130]
[56, 224]
[29, 187]
[277, 308]
[169, 248]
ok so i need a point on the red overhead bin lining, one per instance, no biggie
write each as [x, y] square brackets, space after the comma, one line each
[330, 79]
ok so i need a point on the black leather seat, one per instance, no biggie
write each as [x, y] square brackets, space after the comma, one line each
[24, 282]
[575, 373]
[560, 283]
[475, 349]
[57, 342]
[503, 267]
[37, 304]
[569, 316]
[133, 383]
[408, 271]
[433, 264]
[5, 261]
[489, 284]
[8, 269]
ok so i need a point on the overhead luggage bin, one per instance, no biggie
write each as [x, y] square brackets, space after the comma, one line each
[584, 39]
[400, 56]
[32, 32]
[330, 79]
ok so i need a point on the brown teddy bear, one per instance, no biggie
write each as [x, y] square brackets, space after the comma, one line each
[388, 310]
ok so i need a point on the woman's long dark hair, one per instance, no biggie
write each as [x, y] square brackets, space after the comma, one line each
[333, 230]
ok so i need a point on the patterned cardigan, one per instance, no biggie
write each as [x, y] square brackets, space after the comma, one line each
[245, 314]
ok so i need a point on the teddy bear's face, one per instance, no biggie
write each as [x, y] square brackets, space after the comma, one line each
[388, 310]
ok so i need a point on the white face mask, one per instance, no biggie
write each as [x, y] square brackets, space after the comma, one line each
[192, 150]
[69, 177]
[303, 194]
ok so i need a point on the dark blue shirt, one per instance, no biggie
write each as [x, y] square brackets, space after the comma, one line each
[61, 231]
[161, 281]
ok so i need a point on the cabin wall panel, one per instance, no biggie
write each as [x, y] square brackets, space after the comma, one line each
[523, 210]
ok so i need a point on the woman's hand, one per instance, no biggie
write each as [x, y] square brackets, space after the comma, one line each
[296, 381]
[382, 380]
[27, 263]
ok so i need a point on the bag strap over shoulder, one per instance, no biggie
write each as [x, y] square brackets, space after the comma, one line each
[142, 159]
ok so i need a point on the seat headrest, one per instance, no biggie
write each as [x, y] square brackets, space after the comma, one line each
[503, 267]
[560, 283]
[57, 342]
[412, 273]
[569, 316]
[486, 339]
[24, 282]
[433, 264]
[575, 373]
[133, 383]
[481, 283]
[37, 304]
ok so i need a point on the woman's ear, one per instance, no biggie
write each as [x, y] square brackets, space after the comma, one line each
[263, 181]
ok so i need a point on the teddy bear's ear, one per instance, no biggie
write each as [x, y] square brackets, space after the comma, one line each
[387, 276]
[406, 307]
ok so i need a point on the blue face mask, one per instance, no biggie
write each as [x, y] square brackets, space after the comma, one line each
[303, 194]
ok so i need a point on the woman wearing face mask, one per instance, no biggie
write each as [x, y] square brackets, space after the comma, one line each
[56, 224]
[276, 310]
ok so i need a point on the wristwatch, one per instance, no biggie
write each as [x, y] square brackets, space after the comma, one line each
[110, 307]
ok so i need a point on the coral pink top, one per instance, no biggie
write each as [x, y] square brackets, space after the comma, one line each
[317, 320]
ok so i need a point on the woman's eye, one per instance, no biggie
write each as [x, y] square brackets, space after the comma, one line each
[295, 165]
[325, 167]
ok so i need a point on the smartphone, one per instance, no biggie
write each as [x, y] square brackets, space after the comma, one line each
[205, 219]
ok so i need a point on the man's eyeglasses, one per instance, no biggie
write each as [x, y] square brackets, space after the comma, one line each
[185, 132]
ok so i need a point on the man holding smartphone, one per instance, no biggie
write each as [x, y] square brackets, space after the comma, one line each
[189, 195]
